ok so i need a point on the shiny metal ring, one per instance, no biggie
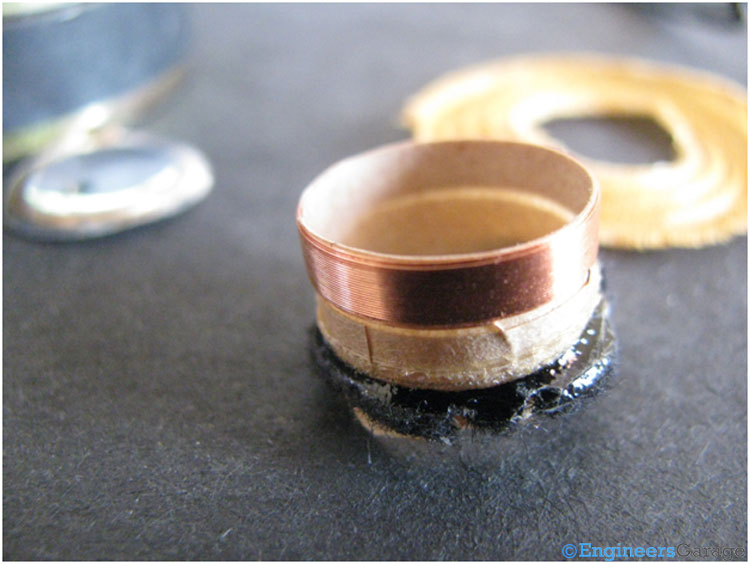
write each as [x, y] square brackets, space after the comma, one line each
[447, 290]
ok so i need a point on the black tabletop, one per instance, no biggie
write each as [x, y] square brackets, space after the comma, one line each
[159, 399]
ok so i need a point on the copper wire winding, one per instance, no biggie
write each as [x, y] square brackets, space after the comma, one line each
[450, 290]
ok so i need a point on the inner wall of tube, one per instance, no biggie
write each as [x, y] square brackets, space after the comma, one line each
[454, 221]
[445, 198]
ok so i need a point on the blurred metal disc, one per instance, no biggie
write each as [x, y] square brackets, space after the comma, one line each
[108, 184]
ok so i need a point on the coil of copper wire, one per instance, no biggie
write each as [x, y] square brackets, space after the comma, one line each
[461, 265]
[383, 236]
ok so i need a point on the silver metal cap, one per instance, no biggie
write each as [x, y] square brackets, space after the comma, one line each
[111, 181]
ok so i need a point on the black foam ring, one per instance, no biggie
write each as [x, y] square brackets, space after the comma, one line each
[439, 415]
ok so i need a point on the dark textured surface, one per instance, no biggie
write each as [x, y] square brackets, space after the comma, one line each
[454, 416]
[158, 396]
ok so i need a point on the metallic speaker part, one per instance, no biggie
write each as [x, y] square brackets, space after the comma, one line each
[60, 61]
[429, 288]
[107, 182]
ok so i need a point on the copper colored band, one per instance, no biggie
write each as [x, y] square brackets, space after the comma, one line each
[460, 289]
